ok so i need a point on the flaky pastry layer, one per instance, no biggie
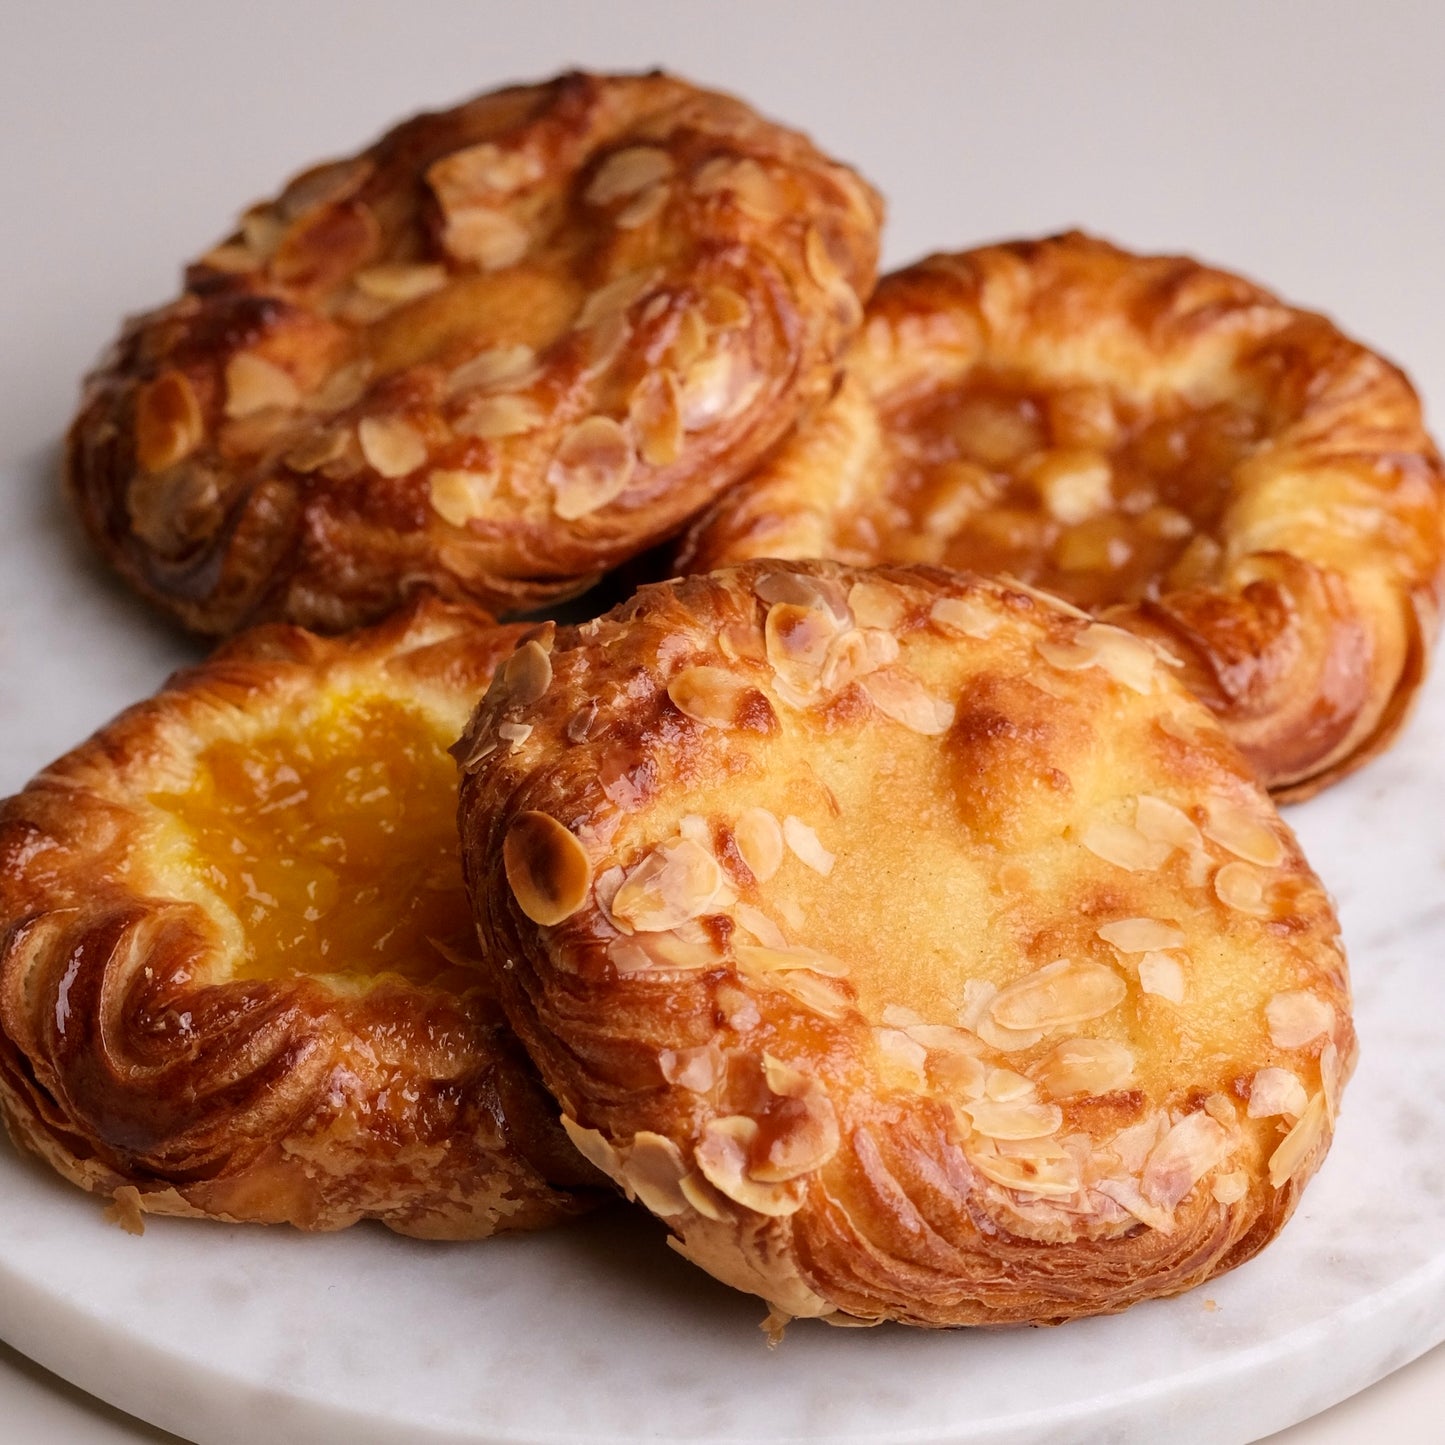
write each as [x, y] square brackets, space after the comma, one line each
[913, 944]
[1161, 443]
[238, 978]
[503, 349]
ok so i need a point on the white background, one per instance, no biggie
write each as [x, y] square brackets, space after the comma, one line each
[1298, 143]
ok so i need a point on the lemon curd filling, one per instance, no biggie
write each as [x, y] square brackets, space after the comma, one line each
[334, 844]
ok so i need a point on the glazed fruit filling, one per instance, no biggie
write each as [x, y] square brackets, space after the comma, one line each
[334, 844]
[1069, 488]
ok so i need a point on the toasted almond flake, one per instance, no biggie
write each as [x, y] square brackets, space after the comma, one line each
[458, 496]
[1141, 935]
[1240, 832]
[703, 1197]
[1298, 1018]
[591, 467]
[821, 995]
[514, 733]
[876, 605]
[710, 695]
[960, 1075]
[760, 959]
[1162, 975]
[392, 447]
[399, 283]
[716, 388]
[819, 261]
[975, 1015]
[664, 952]
[254, 384]
[1005, 1086]
[1230, 1188]
[1074, 484]
[653, 1171]
[1127, 659]
[343, 388]
[316, 450]
[490, 239]
[547, 869]
[464, 176]
[808, 1139]
[168, 422]
[498, 367]
[491, 417]
[617, 296]
[792, 913]
[969, 616]
[1221, 1107]
[1161, 822]
[1086, 1066]
[1068, 991]
[722, 1158]
[233, 257]
[751, 187]
[723, 309]
[626, 172]
[1050, 1178]
[1019, 1119]
[647, 206]
[759, 839]
[756, 922]
[655, 411]
[899, 695]
[262, 229]
[941, 1038]
[676, 881]
[1127, 1195]
[593, 1147]
[1124, 846]
[1298, 1146]
[1182, 1158]
[1330, 1077]
[1277, 1091]
[803, 841]
[903, 1060]
[1240, 887]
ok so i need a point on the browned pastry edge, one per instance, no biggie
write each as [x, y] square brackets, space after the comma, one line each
[739, 1093]
[133, 1064]
[1311, 641]
[502, 350]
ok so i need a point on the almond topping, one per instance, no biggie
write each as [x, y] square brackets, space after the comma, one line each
[593, 1147]
[1075, 485]
[803, 841]
[1298, 1018]
[399, 283]
[1239, 832]
[1047, 1177]
[970, 616]
[1230, 1188]
[1162, 975]
[1162, 822]
[1127, 659]
[1086, 1066]
[1013, 1120]
[760, 959]
[1141, 935]
[710, 695]
[696, 1069]
[652, 1170]
[316, 450]
[1124, 846]
[490, 239]
[1182, 1158]
[722, 1158]
[392, 447]
[899, 695]
[760, 840]
[458, 496]
[903, 1060]
[724, 310]
[497, 367]
[676, 881]
[617, 296]
[1299, 1145]
[254, 384]
[1239, 887]
[626, 172]
[655, 410]
[752, 188]
[1277, 1091]
[591, 468]
[1064, 992]
[647, 206]
[168, 422]
[499, 416]
[547, 868]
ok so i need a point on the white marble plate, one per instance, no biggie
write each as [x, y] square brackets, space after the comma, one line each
[597, 1333]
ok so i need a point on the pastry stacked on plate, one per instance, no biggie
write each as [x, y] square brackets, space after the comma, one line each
[893, 903]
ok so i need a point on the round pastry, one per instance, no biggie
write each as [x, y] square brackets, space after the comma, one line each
[1165, 445]
[500, 351]
[238, 974]
[914, 945]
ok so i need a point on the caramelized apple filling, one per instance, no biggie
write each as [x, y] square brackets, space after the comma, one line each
[334, 845]
[1068, 488]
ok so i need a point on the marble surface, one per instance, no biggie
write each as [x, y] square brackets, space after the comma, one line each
[1300, 153]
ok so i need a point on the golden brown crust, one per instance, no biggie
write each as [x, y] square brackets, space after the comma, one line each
[147, 1057]
[915, 946]
[502, 350]
[1185, 455]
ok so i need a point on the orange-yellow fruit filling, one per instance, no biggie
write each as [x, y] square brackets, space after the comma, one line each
[1069, 488]
[334, 845]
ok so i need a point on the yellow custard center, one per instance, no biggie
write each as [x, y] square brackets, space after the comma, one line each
[334, 845]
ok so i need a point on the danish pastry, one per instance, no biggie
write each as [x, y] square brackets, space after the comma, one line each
[238, 974]
[1165, 445]
[500, 351]
[914, 945]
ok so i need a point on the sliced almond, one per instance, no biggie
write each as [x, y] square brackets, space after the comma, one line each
[1297, 1147]
[759, 839]
[547, 869]
[723, 1157]
[591, 468]
[1124, 846]
[1141, 935]
[458, 496]
[1240, 887]
[653, 1171]
[626, 172]
[1298, 1018]
[168, 422]
[675, 882]
[254, 384]
[803, 841]
[1240, 832]
[399, 283]
[710, 695]
[1162, 975]
[1183, 1157]
[1086, 1066]
[761, 959]
[593, 1146]
[1277, 1091]
[489, 239]
[496, 368]
[899, 695]
[968, 616]
[392, 446]
[1065, 992]
[492, 417]
[1230, 1188]
[1016, 1120]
